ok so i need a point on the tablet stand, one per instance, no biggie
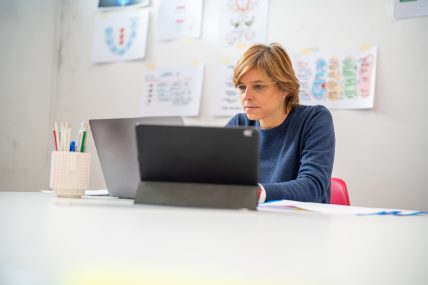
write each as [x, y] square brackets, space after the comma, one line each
[207, 195]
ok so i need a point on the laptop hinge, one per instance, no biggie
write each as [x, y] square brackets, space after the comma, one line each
[205, 195]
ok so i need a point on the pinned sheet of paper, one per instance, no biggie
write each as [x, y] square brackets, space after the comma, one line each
[172, 91]
[179, 19]
[106, 5]
[243, 22]
[227, 101]
[337, 79]
[410, 8]
[120, 35]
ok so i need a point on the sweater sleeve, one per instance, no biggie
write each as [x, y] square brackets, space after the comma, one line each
[239, 119]
[316, 163]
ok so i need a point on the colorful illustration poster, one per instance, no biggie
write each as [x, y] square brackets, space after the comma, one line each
[178, 19]
[243, 22]
[227, 102]
[410, 8]
[172, 91]
[115, 4]
[120, 35]
[338, 80]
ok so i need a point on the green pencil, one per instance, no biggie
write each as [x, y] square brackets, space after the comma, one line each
[82, 147]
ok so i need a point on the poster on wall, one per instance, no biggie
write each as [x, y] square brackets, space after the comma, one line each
[172, 91]
[243, 22]
[226, 102]
[179, 19]
[116, 4]
[120, 35]
[337, 79]
[410, 8]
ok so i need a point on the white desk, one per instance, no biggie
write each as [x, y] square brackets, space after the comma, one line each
[46, 240]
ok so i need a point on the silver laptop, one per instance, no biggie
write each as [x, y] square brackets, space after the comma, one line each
[116, 146]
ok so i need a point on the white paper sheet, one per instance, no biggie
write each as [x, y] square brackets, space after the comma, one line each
[97, 192]
[172, 91]
[179, 19]
[118, 4]
[120, 35]
[337, 79]
[287, 206]
[410, 8]
[226, 102]
[243, 22]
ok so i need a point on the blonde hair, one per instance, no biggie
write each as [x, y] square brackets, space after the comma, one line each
[274, 61]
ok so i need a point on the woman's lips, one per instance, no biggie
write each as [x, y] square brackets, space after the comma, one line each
[250, 108]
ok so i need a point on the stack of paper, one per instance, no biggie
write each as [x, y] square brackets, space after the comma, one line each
[287, 205]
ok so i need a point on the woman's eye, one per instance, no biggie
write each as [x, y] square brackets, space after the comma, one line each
[242, 87]
[259, 87]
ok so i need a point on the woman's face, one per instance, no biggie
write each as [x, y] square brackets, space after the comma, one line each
[261, 98]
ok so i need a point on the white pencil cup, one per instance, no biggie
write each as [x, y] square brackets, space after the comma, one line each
[70, 173]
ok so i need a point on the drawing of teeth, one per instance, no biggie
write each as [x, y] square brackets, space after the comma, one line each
[121, 48]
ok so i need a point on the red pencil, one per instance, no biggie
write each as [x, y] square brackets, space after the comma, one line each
[56, 142]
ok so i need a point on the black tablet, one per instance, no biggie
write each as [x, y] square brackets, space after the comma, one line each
[197, 154]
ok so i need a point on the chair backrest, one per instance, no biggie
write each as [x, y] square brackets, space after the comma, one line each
[339, 192]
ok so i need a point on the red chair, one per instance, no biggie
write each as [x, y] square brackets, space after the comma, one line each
[339, 192]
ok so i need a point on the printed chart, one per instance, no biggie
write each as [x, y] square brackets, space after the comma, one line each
[172, 91]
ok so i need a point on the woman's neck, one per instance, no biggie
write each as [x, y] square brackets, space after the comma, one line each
[272, 122]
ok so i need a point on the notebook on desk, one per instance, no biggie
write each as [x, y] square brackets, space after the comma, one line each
[198, 166]
[115, 144]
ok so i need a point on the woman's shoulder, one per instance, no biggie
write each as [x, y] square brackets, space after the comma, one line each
[308, 117]
[311, 109]
[306, 111]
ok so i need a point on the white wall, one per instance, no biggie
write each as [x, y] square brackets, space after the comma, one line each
[380, 152]
[27, 79]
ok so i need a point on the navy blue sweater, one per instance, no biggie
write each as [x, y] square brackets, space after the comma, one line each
[296, 157]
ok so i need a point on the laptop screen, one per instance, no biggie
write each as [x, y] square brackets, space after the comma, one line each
[116, 147]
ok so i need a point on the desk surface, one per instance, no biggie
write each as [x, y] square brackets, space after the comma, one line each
[47, 240]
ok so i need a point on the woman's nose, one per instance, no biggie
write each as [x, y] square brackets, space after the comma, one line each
[247, 95]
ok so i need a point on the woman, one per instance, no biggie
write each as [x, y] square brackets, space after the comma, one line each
[296, 142]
